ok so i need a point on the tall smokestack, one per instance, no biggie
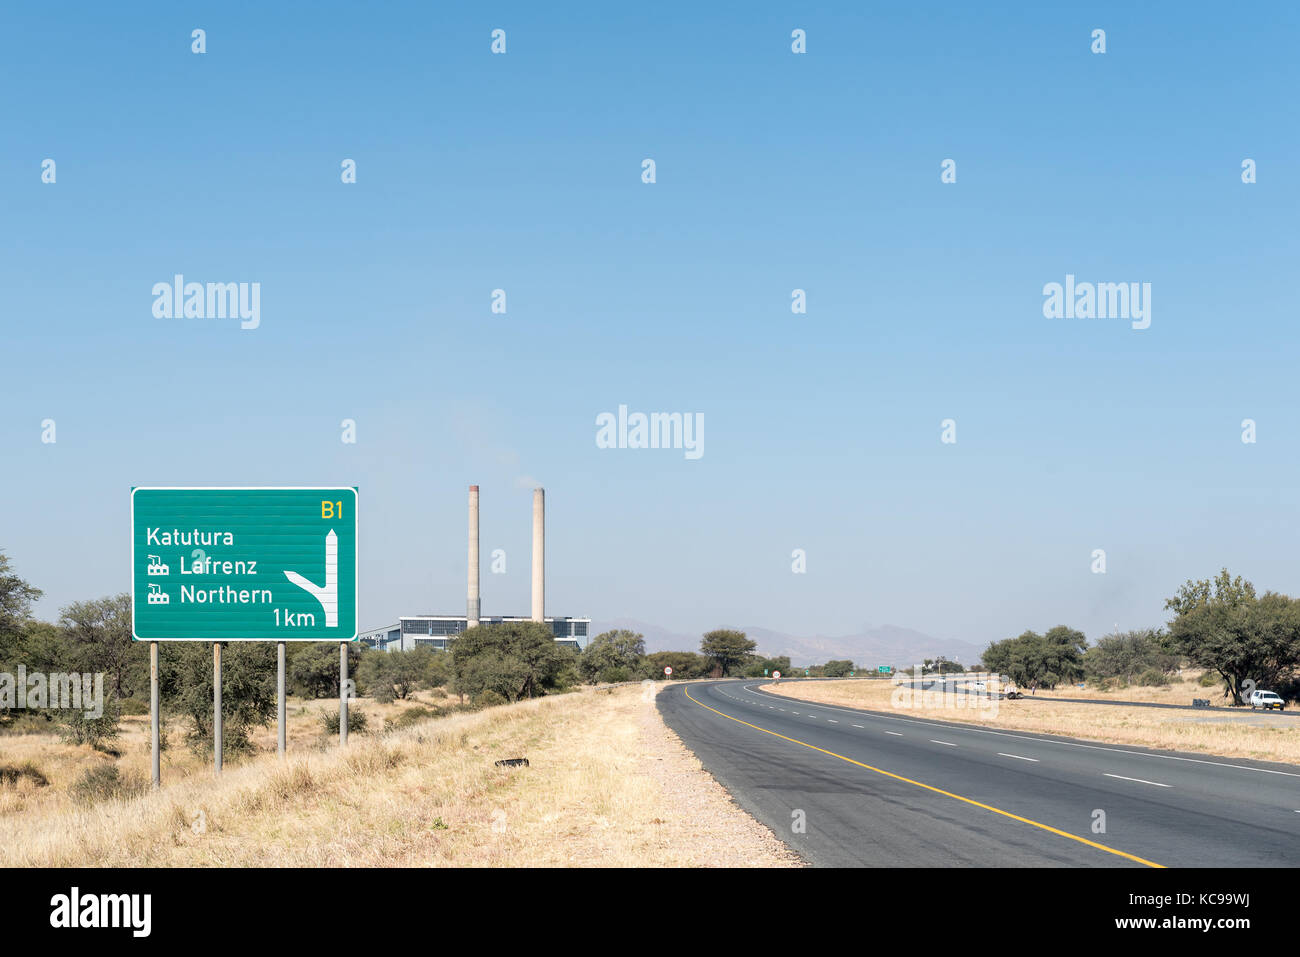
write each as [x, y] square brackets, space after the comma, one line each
[539, 554]
[472, 609]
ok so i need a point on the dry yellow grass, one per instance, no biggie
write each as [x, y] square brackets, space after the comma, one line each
[607, 785]
[62, 763]
[1257, 735]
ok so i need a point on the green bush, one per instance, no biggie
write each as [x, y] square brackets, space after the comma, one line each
[614, 675]
[313, 669]
[76, 728]
[1209, 680]
[133, 706]
[357, 721]
[1153, 678]
[407, 717]
[386, 675]
[610, 650]
[29, 722]
[382, 691]
[248, 690]
[514, 659]
[105, 782]
[12, 774]
[489, 699]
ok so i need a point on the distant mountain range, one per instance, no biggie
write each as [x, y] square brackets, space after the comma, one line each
[868, 648]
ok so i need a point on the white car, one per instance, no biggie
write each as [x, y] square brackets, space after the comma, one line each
[980, 686]
[1268, 700]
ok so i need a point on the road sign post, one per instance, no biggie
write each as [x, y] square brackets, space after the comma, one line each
[343, 693]
[154, 716]
[217, 743]
[279, 698]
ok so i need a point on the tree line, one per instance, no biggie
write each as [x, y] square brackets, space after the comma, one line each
[1241, 638]
[486, 665]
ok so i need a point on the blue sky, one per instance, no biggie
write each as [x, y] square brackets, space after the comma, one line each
[775, 171]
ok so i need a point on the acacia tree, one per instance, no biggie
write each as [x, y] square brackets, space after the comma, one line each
[99, 632]
[1046, 659]
[16, 597]
[387, 675]
[727, 648]
[1222, 624]
[1128, 654]
[313, 668]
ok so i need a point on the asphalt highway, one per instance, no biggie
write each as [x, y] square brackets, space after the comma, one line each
[845, 787]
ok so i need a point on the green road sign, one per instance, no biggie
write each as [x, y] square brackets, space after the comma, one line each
[883, 669]
[244, 564]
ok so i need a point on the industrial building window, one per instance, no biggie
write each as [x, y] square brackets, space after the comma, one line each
[415, 627]
[580, 629]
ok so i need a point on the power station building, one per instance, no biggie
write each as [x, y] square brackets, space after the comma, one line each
[435, 631]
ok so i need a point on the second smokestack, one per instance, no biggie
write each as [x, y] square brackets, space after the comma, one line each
[539, 555]
[472, 608]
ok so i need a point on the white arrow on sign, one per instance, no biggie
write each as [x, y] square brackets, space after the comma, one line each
[329, 595]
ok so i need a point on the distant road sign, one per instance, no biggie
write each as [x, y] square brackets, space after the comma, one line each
[668, 670]
[884, 669]
[244, 564]
[776, 674]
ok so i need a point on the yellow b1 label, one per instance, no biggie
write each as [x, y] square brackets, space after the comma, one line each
[331, 509]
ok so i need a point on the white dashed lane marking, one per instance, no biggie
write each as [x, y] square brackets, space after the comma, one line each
[1155, 784]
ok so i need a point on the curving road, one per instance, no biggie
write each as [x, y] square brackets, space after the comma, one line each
[873, 789]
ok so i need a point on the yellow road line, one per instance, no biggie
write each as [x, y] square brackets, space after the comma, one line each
[928, 787]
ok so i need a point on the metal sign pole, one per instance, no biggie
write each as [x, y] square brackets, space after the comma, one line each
[279, 691]
[216, 705]
[343, 692]
[153, 714]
